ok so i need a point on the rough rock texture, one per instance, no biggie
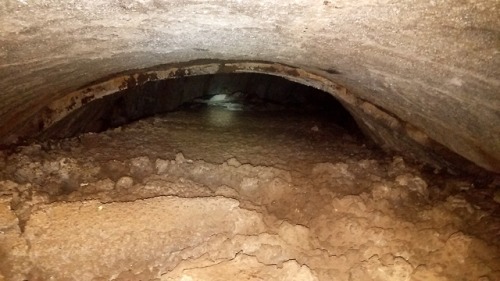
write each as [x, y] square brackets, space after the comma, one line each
[210, 194]
[432, 66]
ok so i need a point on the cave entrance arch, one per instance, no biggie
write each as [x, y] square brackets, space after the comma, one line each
[378, 123]
[60, 108]
[269, 94]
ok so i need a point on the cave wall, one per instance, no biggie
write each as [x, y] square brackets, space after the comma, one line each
[261, 92]
[429, 68]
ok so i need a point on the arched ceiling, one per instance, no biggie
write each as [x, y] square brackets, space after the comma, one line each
[432, 65]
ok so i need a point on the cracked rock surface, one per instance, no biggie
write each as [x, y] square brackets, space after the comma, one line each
[211, 194]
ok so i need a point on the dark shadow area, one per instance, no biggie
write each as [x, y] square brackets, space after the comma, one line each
[241, 92]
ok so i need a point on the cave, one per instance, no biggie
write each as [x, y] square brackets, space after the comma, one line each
[250, 140]
[251, 92]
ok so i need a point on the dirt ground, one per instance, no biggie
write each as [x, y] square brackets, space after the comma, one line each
[216, 194]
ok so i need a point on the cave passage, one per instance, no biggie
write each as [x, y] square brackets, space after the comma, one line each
[246, 92]
[218, 140]
[234, 177]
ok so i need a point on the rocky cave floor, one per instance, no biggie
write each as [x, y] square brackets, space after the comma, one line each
[214, 194]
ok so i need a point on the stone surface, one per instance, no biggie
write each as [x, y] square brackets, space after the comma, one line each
[114, 238]
[245, 268]
[239, 200]
[431, 64]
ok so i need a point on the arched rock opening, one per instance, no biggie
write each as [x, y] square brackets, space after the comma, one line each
[235, 91]
[420, 78]
[382, 126]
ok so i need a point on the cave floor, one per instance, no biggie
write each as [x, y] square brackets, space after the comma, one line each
[214, 194]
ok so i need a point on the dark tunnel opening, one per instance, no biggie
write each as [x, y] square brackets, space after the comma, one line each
[244, 92]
